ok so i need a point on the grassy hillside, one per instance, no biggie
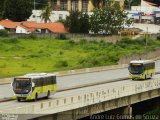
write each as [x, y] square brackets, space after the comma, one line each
[25, 55]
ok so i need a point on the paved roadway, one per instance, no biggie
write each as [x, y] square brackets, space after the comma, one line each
[64, 94]
[79, 79]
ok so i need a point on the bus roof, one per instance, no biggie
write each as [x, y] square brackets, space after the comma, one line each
[36, 75]
[142, 61]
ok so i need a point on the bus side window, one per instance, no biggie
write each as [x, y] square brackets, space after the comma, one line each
[46, 81]
[41, 82]
[49, 80]
[53, 79]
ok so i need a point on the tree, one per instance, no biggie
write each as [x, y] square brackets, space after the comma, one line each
[1, 8]
[17, 10]
[84, 23]
[108, 20]
[47, 12]
[77, 22]
[72, 22]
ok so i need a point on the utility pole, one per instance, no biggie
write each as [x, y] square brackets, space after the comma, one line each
[146, 37]
[34, 4]
[49, 3]
[129, 4]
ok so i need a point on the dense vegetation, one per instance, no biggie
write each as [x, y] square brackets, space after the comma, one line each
[106, 20]
[78, 22]
[17, 10]
[26, 55]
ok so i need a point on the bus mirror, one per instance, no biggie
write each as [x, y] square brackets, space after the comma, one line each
[143, 68]
[33, 84]
[129, 68]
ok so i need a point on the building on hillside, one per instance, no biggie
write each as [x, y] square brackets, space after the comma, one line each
[147, 12]
[81, 5]
[55, 16]
[61, 8]
[32, 27]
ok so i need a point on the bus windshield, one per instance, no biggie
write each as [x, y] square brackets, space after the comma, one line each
[136, 69]
[22, 86]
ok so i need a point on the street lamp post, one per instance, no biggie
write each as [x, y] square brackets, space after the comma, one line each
[146, 39]
[34, 5]
[129, 4]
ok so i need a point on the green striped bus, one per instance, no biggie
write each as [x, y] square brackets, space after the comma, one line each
[34, 86]
[141, 69]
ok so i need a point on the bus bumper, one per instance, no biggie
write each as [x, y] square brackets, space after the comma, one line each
[22, 97]
[136, 77]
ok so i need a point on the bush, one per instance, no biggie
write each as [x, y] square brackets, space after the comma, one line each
[9, 40]
[3, 65]
[61, 63]
[3, 33]
[158, 37]
[71, 42]
[89, 62]
[16, 48]
[62, 21]
[25, 65]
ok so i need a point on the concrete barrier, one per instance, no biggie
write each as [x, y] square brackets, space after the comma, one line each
[90, 70]
[74, 72]
[154, 55]
[5, 81]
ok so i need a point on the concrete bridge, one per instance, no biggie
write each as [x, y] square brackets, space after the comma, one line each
[82, 102]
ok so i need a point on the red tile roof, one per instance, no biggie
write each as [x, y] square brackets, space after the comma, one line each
[150, 3]
[56, 27]
[9, 23]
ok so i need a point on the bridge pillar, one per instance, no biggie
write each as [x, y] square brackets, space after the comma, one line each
[127, 111]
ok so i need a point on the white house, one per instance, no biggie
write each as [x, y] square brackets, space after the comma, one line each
[32, 27]
[1, 27]
[55, 16]
[146, 12]
[146, 7]
[20, 29]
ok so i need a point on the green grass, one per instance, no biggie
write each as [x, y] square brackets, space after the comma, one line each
[25, 55]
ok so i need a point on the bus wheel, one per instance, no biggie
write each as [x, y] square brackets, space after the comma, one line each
[48, 94]
[36, 97]
[145, 77]
[18, 99]
[151, 75]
